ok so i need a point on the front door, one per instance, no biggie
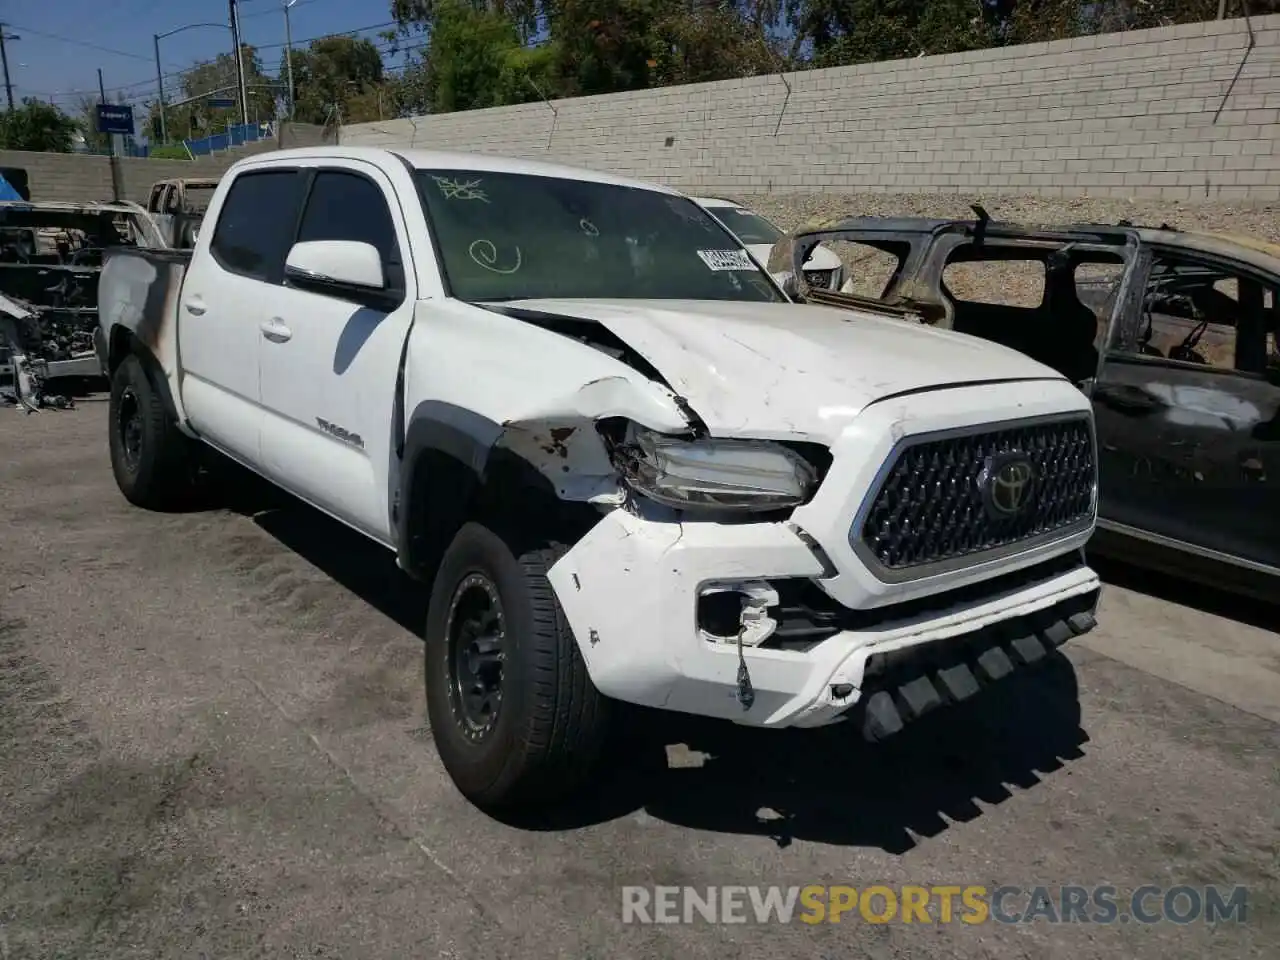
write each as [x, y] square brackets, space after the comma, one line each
[329, 369]
[232, 270]
[1187, 404]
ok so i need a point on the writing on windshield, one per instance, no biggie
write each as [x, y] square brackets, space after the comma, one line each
[511, 236]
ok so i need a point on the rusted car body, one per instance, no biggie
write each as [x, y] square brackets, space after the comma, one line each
[1172, 334]
[50, 257]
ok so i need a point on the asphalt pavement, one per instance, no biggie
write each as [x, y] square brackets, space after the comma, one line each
[213, 744]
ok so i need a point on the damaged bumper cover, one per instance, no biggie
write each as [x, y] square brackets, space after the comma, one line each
[636, 593]
[785, 622]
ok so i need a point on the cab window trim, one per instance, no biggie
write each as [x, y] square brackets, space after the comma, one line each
[396, 291]
[274, 273]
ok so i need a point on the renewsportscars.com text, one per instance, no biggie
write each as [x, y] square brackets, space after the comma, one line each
[971, 904]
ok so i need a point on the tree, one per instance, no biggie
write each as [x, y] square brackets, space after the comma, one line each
[698, 42]
[87, 116]
[862, 31]
[37, 125]
[417, 16]
[217, 78]
[1034, 20]
[475, 58]
[346, 71]
[477, 53]
[608, 45]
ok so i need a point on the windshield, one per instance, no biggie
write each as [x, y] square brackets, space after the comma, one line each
[510, 236]
[749, 227]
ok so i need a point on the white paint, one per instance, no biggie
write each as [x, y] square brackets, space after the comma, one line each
[782, 370]
[634, 582]
[346, 261]
[767, 371]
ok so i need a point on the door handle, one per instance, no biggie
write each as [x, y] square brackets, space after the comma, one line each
[275, 330]
[195, 306]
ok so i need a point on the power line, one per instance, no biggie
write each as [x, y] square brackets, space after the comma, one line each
[273, 13]
[384, 48]
[81, 43]
[323, 36]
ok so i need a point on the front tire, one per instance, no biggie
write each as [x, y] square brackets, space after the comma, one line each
[513, 713]
[151, 459]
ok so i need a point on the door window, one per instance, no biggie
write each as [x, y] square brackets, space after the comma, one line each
[348, 206]
[256, 222]
[1199, 312]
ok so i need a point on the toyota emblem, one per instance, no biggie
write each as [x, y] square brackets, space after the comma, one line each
[1006, 483]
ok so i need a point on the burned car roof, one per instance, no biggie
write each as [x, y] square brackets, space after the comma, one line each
[1260, 253]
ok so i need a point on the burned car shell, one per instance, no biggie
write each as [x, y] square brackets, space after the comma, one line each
[1189, 449]
[50, 257]
[173, 212]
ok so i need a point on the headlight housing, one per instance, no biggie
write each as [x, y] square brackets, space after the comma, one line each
[741, 476]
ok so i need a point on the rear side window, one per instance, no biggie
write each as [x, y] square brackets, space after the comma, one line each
[347, 206]
[256, 223]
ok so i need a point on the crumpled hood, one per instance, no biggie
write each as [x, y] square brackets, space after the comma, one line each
[779, 370]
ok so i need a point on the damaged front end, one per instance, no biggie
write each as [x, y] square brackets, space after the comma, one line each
[51, 255]
[721, 569]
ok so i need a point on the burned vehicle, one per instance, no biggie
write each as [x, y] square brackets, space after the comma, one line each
[50, 257]
[178, 206]
[1172, 335]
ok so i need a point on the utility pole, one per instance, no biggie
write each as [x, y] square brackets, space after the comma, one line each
[235, 38]
[4, 56]
[288, 51]
[117, 143]
[164, 137]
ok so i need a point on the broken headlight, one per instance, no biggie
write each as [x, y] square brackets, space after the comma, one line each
[746, 476]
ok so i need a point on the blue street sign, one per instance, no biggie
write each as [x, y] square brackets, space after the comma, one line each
[114, 118]
[216, 103]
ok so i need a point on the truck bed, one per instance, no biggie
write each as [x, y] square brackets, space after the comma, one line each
[138, 292]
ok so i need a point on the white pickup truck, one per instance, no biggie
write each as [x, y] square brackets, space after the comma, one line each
[628, 468]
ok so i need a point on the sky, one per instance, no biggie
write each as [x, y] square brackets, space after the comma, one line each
[63, 43]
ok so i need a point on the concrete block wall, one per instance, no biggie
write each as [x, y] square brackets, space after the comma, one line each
[1180, 113]
[76, 177]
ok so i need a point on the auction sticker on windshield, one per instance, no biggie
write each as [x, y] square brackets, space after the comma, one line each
[726, 259]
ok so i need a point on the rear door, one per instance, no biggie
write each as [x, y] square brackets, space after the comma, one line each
[1188, 410]
[235, 266]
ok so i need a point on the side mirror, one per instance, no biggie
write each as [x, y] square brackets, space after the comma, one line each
[347, 268]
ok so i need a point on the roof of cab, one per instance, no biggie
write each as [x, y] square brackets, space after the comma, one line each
[446, 160]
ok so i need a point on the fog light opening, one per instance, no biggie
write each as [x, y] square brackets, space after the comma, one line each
[737, 612]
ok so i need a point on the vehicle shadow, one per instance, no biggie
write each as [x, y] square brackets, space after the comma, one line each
[827, 785]
[357, 563]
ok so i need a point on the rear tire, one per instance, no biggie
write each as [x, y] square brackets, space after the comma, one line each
[153, 462]
[513, 713]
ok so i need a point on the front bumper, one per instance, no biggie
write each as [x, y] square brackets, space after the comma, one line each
[633, 591]
[630, 591]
